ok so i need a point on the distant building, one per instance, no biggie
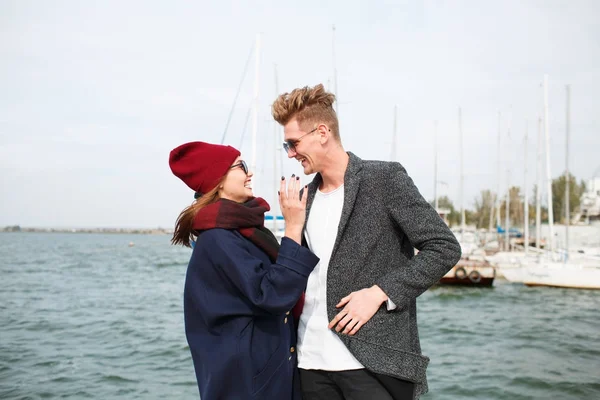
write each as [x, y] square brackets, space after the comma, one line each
[590, 200]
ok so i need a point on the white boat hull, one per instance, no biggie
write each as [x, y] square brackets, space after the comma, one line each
[561, 275]
[514, 275]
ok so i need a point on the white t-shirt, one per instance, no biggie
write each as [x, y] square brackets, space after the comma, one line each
[318, 347]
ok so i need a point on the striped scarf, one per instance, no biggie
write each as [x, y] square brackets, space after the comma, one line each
[248, 219]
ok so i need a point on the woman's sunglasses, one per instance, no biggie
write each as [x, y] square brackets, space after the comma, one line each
[241, 164]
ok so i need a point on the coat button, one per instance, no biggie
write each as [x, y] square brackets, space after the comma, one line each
[287, 313]
[285, 320]
[290, 359]
[292, 349]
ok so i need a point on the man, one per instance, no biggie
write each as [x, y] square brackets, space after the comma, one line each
[357, 337]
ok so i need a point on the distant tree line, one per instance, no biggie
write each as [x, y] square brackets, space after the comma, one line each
[479, 215]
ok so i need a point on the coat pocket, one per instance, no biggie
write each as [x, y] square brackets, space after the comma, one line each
[274, 364]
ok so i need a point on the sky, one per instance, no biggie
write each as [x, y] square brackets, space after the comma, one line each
[94, 95]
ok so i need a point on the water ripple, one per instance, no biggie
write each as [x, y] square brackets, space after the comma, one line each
[88, 317]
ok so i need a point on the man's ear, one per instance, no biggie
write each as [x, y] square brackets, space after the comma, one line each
[324, 133]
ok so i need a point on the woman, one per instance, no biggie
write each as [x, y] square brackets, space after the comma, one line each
[240, 285]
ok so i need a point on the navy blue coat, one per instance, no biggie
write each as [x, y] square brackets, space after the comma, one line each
[237, 316]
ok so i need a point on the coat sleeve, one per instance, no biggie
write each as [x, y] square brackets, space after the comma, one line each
[272, 288]
[438, 248]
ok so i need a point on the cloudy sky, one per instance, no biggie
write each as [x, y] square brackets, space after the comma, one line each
[94, 95]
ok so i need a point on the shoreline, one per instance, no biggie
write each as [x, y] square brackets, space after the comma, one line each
[135, 231]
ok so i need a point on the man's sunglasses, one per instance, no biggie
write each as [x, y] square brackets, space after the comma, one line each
[291, 144]
[241, 164]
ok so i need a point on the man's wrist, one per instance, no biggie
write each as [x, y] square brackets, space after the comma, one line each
[380, 294]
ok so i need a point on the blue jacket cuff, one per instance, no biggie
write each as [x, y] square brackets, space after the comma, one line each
[296, 257]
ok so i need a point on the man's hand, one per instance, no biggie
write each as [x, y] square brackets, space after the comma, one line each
[359, 307]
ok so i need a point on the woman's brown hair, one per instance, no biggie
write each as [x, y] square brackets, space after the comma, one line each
[184, 231]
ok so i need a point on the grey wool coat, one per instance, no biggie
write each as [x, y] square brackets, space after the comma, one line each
[384, 217]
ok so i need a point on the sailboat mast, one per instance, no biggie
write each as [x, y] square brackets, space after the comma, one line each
[526, 200]
[275, 174]
[538, 188]
[435, 166]
[567, 191]
[335, 81]
[497, 197]
[548, 174]
[394, 145]
[462, 174]
[255, 109]
[507, 210]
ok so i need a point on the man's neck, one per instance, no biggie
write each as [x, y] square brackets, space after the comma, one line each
[333, 170]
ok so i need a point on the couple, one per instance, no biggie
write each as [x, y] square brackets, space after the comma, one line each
[331, 312]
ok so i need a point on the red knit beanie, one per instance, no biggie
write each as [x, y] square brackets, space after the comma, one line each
[201, 165]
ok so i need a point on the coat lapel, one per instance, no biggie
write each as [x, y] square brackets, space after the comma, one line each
[351, 186]
[312, 190]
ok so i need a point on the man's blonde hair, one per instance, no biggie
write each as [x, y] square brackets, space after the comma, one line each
[309, 106]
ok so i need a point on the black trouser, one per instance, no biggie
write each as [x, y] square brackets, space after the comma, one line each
[358, 384]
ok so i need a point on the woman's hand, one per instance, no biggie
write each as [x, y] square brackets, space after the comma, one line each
[293, 208]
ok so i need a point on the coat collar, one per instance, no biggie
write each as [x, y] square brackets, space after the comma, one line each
[351, 186]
